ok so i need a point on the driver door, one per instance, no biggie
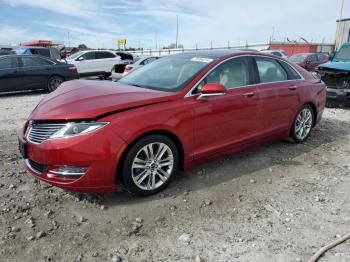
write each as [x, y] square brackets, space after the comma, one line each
[224, 122]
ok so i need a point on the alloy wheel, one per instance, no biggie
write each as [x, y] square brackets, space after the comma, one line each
[55, 83]
[303, 123]
[152, 166]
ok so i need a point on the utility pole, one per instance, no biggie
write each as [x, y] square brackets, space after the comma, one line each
[341, 9]
[177, 30]
[68, 40]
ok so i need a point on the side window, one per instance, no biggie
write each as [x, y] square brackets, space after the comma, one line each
[8, 63]
[103, 55]
[44, 52]
[144, 62]
[292, 74]
[231, 74]
[312, 58]
[270, 70]
[88, 56]
[321, 57]
[34, 61]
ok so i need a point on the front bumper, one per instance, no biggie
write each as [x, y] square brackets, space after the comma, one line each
[98, 151]
[338, 95]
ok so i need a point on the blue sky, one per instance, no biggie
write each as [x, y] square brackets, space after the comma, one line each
[151, 23]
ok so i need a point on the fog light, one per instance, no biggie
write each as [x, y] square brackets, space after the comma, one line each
[69, 171]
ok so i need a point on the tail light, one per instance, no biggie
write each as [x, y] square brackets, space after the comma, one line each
[128, 68]
[72, 68]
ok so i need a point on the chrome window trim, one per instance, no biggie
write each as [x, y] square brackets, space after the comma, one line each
[189, 93]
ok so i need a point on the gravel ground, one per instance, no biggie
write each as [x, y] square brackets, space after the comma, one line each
[280, 202]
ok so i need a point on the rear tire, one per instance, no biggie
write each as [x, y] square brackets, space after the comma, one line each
[303, 124]
[54, 82]
[150, 165]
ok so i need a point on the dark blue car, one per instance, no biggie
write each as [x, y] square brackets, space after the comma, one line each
[29, 72]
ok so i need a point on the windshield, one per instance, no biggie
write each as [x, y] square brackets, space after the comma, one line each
[343, 53]
[298, 58]
[170, 73]
[75, 55]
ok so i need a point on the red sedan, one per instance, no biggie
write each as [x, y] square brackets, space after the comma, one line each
[309, 61]
[176, 112]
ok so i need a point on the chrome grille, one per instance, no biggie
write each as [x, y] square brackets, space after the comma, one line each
[38, 133]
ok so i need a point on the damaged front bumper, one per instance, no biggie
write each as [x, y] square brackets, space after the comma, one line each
[338, 85]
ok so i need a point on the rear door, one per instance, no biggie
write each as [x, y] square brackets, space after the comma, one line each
[8, 74]
[34, 72]
[105, 61]
[278, 97]
[226, 121]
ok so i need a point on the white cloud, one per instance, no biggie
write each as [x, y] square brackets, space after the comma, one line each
[11, 35]
[101, 23]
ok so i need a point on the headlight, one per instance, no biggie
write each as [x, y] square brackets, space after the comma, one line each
[73, 129]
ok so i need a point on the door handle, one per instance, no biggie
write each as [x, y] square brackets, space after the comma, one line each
[292, 87]
[248, 94]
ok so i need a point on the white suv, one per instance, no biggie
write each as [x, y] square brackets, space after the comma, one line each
[94, 62]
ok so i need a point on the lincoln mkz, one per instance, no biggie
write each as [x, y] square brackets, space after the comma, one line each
[179, 111]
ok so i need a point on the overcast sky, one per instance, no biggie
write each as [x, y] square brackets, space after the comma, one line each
[147, 23]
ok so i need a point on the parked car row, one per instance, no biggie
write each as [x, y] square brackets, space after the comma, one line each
[34, 69]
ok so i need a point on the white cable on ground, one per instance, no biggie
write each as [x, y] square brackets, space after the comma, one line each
[328, 247]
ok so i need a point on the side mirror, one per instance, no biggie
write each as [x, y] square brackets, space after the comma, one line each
[80, 58]
[307, 61]
[211, 89]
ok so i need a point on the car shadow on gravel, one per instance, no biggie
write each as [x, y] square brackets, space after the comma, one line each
[245, 163]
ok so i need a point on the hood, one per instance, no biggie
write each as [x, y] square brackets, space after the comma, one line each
[344, 66]
[87, 99]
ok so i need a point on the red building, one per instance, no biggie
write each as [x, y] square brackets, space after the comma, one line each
[291, 48]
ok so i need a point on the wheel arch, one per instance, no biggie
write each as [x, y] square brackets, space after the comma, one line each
[50, 76]
[314, 109]
[174, 138]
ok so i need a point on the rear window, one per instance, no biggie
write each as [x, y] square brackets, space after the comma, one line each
[42, 52]
[321, 57]
[298, 58]
[103, 55]
[34, 61]
[292, 74]
[270, 70]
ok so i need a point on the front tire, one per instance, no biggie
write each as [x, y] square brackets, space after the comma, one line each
[150, 165]
[54, 82]
[303, 124]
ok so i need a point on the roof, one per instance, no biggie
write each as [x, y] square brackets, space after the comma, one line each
[213, 54]
[343, 20]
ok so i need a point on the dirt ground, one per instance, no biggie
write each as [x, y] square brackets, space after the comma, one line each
[280, 202]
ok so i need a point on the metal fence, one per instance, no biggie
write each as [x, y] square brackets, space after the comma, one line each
[163, 52]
